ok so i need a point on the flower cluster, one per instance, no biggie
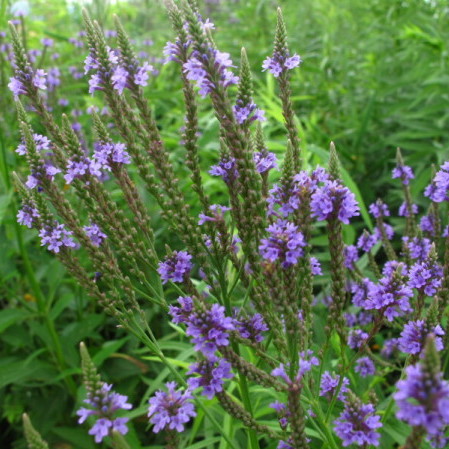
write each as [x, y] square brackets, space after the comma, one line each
[279, 63]
[171, 409]
[423, 400]
[176, 267]
[104, 405]
[357, 424]
[200, 66]
[285, 243]
[212, 374]
[333, 200]
[414, 336]
[209, 329]
[56, 237]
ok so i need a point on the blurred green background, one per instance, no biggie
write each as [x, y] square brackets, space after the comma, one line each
[374, 77]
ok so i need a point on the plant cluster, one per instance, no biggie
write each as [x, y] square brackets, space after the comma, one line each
[243, 283]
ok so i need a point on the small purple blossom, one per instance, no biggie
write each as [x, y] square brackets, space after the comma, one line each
[404, 211]
[108, 153]
[417, 247]
[351, 256]
[56, 237]
[248, 113]
[315, 266]
[426, 276]
[95, 234]
[404, 173]
[379, 209]
[27, 215]
[414, 335]
[176, 267]
[217, 214]
[306, 361]
[329, 384]
[438, 190]
[279, 63]
[423, 401]
[141, 76]
[226, 168]
[391, 296]
[285, 243]
[357, 424]
[366, 241]
[212, 374]
[264, 161]
[16, 87]
[41, 142]
[427, 224]
[171, 410]
[365, 367]
[252, 327]
[119, 79]
[357, 338]
[333, 200]
[104, 404]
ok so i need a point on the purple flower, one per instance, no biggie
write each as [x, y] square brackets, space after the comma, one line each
[175, 268]
[264, 161]
[357, 338]
[438, 190]
[26, 216]
[365, 367]
[172, 409]
[366, 241]
[108, 153]
[252, 327]
[306, 361]
[414, 335]
[391, 296]
[351, 256]
[423, 400]
[141, 76]
[333, 200]
[95, 234]
[39, 79]
[417, 247]
[216, 216]
[210, 329]
[182, 314]
[390, 346]
[360, 292]
[226, 168]
[427, 224]
[47, 42]
[426, 276]
[329, 384]
[41, 142]
[95, 83]
[16, 87]
[357, 424]
[379, 209]
[104, 404]
[77, 169]
[315, 266]
[212, 374]
[280, 63]
[198, 71]
[247, 113]
[389, 232]
[404, 212]
[119, 78]
[56, 237]
[404, 173]
[285, 243]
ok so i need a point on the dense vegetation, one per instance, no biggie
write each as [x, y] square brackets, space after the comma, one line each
[373, 78]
